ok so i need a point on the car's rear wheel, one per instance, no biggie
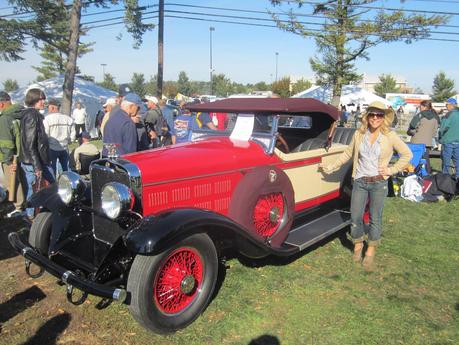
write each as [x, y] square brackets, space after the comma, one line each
[171, 289]
[40, 232]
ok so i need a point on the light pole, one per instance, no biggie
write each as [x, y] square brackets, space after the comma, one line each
[277, 58]
[211, 68]
[103, 70]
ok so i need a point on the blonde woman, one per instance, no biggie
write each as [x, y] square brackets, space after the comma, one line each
[371, 150]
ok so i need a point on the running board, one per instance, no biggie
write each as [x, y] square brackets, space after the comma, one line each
[307, 234]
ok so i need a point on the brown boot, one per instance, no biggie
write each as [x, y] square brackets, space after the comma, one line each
[368, 260]
[358, 247]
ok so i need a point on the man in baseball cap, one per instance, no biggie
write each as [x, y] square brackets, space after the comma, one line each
[4, 97]
[120, 129]
[449, 138]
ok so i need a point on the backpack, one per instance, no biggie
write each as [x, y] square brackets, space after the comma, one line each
[442, 185]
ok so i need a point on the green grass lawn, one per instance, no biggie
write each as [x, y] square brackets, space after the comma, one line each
[321, 297]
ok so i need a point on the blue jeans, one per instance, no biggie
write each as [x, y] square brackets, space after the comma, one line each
[448, 152]
[62, 156]
[361, 191]
[31, 178]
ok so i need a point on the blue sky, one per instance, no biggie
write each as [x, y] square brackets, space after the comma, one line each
[246, 54]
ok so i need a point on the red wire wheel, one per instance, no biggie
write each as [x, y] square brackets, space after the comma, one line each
[178, 280]
[268, 214]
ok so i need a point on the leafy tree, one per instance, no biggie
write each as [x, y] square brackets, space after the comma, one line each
[344, 37]
[221, 85]
[239, 88]
[183, 84]
[387, 84]
[151, 86]
[138, 84]
[443, 88]
[300, 86]
[170, 89]
[109, 82]
[281, 87]
[261, 86]
[10, 85]
[200, 87]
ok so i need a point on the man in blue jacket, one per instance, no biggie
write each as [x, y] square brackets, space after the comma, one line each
[449, 138]
[120, 130]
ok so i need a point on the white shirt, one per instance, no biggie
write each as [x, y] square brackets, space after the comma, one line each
[79, 116]
[60, 131]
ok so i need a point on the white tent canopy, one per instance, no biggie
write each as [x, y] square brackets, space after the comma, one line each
[90, 95]
[350, 94]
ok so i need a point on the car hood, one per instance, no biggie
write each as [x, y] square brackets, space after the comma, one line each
[200, 158]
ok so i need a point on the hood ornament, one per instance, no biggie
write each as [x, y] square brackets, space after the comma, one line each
[112, 151]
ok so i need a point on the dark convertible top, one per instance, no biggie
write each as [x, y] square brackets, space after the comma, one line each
[268, 106]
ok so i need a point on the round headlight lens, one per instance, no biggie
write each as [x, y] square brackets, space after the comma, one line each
[116, 198]
[70, 187]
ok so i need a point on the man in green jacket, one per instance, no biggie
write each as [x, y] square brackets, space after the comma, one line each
[10, 141]
[449, 138]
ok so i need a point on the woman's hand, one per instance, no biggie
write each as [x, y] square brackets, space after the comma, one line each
[384, 171]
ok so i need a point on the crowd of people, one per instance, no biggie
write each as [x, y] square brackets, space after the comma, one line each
[34, 147]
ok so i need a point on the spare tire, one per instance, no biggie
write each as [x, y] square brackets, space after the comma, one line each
[263, 203]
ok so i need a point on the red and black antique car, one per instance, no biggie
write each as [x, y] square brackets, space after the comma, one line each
[149, 228]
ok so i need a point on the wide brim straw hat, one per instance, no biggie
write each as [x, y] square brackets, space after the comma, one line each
[389, 113]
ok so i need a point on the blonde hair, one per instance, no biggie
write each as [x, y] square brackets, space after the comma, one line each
[384, 128]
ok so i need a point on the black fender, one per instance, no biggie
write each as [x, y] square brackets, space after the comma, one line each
[155, 233]
[46, 198]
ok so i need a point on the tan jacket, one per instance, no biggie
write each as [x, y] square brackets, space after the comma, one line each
[425, 131]
[389, 142]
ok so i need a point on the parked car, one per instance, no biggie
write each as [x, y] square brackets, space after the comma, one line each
[150, 228]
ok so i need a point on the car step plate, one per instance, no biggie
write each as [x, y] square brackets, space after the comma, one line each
[307, 234]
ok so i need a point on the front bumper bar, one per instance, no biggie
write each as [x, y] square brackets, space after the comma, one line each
[68, 277]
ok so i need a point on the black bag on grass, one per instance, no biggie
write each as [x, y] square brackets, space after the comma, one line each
[441, 185]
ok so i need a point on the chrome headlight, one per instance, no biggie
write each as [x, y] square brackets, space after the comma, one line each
[116, 199]
[70, 187]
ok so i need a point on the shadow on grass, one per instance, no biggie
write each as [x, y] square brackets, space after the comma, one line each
[265, 339]
[48, 333]
[457, 307]
[19, 303]
[273, 260]
[220, 279]
[8, 225]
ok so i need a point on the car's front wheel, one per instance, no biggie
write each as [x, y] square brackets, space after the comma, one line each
[40, 232]
[171, 289]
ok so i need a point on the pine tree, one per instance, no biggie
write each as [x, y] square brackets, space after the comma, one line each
[183, 84]
[138, 84]
[387, 84]
[109, 82]
[344, 37]
[55, 59]
[10, 85]
[443, 88]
